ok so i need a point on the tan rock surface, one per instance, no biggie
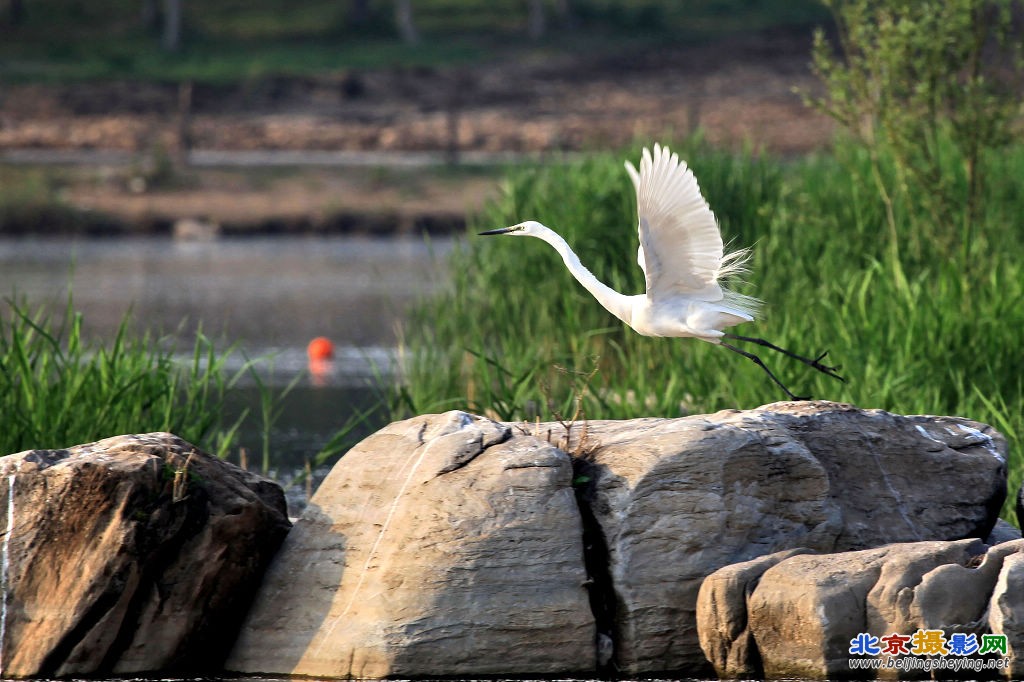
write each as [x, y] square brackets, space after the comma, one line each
[800, 619]
[806, 610]
[438, 546]
[134, 553]
[722, 623]
[1006, 611]
[913, 592]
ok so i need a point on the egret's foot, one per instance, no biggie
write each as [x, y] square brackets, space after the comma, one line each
[757, 361]
[830, 370]
[810, 362]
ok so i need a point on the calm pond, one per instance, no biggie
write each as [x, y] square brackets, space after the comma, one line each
[267, 296]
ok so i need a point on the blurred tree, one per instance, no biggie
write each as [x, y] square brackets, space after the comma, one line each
[404, 22]
[914, 75]
[171, 40]
[537, 20]
[563, 8]
[149, 14]
[16, 12]
[359, 12]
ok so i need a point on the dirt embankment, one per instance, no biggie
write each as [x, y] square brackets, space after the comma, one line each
[737, 92]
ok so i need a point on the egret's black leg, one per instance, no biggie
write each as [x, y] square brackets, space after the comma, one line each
[812, 362]
[759, 363]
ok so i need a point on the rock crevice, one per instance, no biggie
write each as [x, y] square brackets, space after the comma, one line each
[600, 585]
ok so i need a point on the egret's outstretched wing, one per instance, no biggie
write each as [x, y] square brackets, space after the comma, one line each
[681, 249]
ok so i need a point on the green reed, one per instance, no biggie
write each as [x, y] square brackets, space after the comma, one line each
[57, 389]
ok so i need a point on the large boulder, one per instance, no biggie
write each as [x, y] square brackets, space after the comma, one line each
[677, 499]
[804, 612]
[131, 554]
[451, 544]
[438, 546]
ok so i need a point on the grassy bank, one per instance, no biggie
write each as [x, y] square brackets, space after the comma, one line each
[935, 332]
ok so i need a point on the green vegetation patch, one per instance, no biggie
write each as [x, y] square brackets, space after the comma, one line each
[57, 389]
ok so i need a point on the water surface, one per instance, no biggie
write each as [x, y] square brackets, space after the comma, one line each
[260, 292]
[267, 297]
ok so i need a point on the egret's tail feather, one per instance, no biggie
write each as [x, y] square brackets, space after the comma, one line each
[741, 303]
[735, 263]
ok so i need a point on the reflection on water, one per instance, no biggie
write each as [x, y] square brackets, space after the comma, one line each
[267, 296]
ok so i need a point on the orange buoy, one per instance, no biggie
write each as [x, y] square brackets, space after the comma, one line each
[320, 348]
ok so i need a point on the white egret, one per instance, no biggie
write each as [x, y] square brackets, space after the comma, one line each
[683, 259]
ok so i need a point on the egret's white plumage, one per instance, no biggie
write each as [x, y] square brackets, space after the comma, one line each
[678, 229]
[683, 259]
[682, 255]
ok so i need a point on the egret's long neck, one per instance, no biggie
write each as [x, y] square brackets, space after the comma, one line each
[617, 304]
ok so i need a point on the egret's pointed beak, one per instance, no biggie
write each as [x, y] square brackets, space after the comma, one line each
[500, 230]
